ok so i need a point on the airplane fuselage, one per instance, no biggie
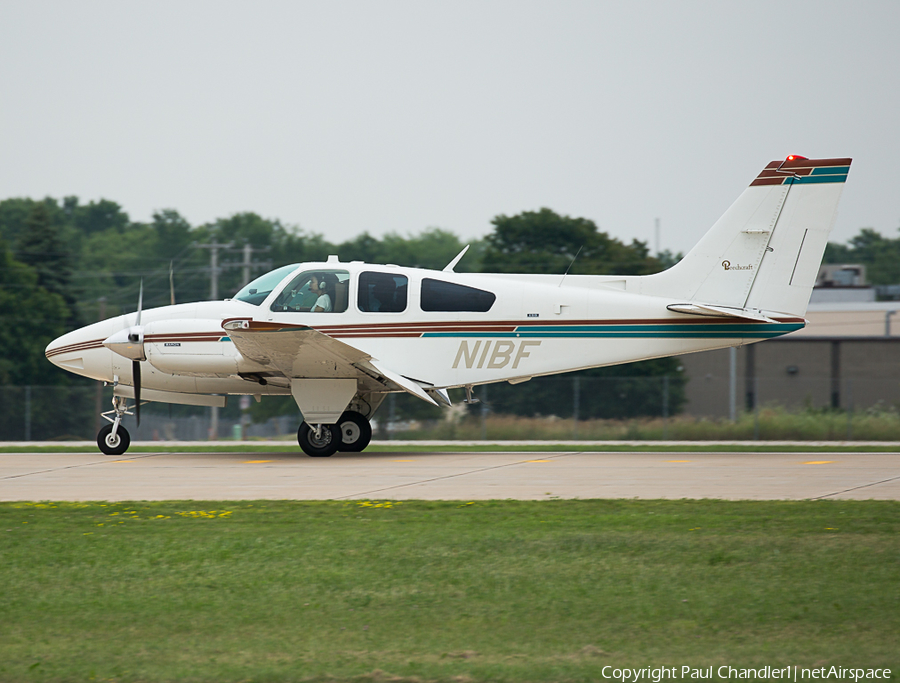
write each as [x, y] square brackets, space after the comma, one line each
[535, 326]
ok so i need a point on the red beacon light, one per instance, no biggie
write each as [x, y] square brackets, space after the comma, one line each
[796, 157]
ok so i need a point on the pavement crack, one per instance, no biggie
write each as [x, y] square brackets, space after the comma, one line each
[73, 467]
[451, 476]
[856, 488]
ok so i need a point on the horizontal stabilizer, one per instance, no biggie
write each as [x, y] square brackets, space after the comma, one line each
[720, 312]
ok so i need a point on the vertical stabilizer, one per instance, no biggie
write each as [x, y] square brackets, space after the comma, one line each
[765, 251]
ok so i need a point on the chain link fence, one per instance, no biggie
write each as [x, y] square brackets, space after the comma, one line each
[567, 406]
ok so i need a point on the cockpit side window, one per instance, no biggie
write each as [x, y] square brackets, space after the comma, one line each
[316, 291]
[382, 292]
[438, 295]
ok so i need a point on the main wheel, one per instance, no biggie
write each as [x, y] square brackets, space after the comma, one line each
[113, 445]
[356, 432]
[322, 446]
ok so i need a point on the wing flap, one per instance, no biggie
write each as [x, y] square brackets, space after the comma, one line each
[300, 351]
[296, 351]
[408, 385]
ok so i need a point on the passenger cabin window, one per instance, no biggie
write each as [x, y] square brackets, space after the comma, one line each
[316, 291]
[438, 295]
[382, 293]
[257, 291]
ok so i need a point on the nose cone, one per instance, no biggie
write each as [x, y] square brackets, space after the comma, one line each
[68, 351]
[81, 351]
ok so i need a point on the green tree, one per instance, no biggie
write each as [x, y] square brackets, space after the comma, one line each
[432, 248]
[32, 317]
[545, 242]
[42, 247]
[101, 216]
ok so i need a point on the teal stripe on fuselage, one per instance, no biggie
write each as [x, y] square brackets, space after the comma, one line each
[665, 327]
[760, 331]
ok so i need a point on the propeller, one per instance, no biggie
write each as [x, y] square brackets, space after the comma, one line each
[130, 343]
[136, 335]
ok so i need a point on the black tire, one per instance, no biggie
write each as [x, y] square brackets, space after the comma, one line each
[110, 445]
[318, 448]
[356, 432]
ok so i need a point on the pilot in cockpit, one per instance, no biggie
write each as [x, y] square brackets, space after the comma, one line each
[319, 285]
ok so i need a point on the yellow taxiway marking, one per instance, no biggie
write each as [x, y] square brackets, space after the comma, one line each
[538, 461]
[677, 460]
[117, 461]
[819, 462]
[256, 462]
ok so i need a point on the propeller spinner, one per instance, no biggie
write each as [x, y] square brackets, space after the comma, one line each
[130, 344]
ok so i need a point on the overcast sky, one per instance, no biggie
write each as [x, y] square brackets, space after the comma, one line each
[340, 117]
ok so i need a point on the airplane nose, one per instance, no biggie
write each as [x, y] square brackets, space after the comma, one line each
[69, 351]
[54, 349]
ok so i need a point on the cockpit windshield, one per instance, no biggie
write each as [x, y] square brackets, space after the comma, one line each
[257, 291]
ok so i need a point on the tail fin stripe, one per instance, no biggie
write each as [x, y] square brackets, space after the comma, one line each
[812, 180]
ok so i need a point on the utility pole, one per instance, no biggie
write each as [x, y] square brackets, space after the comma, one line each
[732, 384]
[214, 266]
[214, 295]
[248, 254]
[248, 263]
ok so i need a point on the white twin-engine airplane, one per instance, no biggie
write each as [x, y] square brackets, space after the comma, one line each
[340, 336]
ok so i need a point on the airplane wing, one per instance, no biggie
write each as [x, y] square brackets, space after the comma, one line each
[300, 351]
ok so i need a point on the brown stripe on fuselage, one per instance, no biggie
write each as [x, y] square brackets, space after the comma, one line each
[71, 348]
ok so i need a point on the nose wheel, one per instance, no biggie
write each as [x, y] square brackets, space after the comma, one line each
[113, 443]
[113, 438]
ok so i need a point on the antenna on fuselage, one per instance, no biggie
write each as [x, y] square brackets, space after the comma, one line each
[570, 265]
[449, 267]
[171, 284]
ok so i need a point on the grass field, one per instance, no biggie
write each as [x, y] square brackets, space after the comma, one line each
[499, 591]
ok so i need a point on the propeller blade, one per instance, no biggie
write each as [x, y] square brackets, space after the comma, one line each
[136, 374]
[140, 303]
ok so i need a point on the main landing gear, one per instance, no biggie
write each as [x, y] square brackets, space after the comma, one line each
[114, 439]
[352, 433]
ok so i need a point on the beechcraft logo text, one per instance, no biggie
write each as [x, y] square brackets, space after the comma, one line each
[727, 266]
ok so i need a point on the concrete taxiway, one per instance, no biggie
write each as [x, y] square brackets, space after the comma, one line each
[449, 476]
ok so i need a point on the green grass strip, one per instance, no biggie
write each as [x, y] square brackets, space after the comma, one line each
[442, 591]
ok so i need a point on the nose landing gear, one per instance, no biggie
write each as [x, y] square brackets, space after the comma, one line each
[114, 439]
